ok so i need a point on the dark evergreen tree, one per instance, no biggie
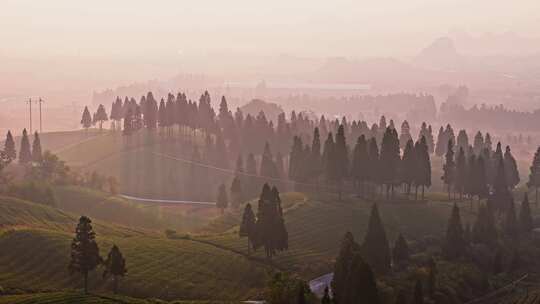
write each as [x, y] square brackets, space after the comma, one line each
[534, 176]
[25, 155]
[270, 227]
[360, 164]
[454, 245]
[237, 196]
[101, 116]
[37, 156]
[328, 158]
[462, 141]
[247, 227]
[374, 164]
[375, 248]
[525, 217]
[481, 186]
[409, 166]
[449, 168]
[400, 253]
[360, 286]
[222, 200]
[389, 160]
[423, 163]
[461, 173]
[128, 122]
[501, 197]
[84, 250]
[511, 228]
[268, 167]
[342, 266]
[9, 147]
[315, 157]
[405, 135]
[341, 160]
[115, 266]
[510, 169]
[484, 230]
[478, 145]
[442, 143]
[86, 120]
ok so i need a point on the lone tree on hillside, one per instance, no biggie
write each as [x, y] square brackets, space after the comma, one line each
[454, 245]
[9, 147]
[247, 227]
[86, 120]
[100, 116]
[271, 232]
[37, 156]
[222, 200]
[25, 155]
[84, 250]
[115, 266]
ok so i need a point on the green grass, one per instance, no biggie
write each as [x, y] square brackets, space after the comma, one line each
[317, 225]
[38, 238]
[70, 297]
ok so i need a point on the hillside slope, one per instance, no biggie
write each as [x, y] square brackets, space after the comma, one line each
[39, 238]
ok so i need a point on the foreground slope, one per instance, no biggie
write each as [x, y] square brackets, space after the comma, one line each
[38, 238]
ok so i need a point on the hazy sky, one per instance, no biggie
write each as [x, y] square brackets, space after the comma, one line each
[300, 27]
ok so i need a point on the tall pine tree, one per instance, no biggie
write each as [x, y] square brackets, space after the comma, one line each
[9, 147]
[115, 266]
[84, 250]
[375, 248]
[25, 155]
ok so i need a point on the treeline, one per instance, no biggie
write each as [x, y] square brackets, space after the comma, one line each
[493, 117]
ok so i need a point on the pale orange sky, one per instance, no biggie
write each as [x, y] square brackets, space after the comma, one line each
[301, 27]
[80, 45]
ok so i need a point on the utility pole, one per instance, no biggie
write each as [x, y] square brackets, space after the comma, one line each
[40, 123]
[30, 111]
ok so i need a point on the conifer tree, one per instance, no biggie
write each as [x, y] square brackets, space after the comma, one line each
[328, 158]
[423, 163]
[341, 160]
[389, 160]
[525, 217]
[86, 120]
[342, 265]
[481, 185]
[9, 147]
[534, 175]
[374, 164]
[461, 173]
[442, 143]
[405, 135]
[115, 266]
[268, 167]
[247, 227]
[101, 116]
[462, 141]
[237, 196]
[315, 160]
[454, 245]
[478, 145]
[128, 122]
[37, 156]
[400, 253]
[501, 197]
[409, 166]
[360, 163]
[360, 286]
[25, 155]
[449, 168]
[375, 248]
[84, 250]
[510, 169]
[222, 199]
[484, 230]
[270, 227]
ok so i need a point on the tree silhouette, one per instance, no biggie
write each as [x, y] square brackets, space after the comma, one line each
[510, 169]
[86, 120]
[25, 155]
[449, 168]
[409, 166]
[84, 250]
[525, 217]
[454, 245]
[534, 175]
[340, 159]
[400, 253]
[37, 156]
[222, 199]
[101, 116]
[115, 266]
[389, 160]
[237, 196]
[9, 147]
[247, 227]
[360, 286]
[423, 163]
[375, 248]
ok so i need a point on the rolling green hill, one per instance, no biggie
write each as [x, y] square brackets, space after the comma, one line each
[39, 237]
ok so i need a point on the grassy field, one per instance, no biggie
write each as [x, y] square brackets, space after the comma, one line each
[38, 238]
[317, 225]
[70, 297]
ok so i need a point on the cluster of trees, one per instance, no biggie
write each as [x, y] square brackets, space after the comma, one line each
[479, 172]
[363, 165]
[356, 265]
[85, 255]
[267, 229]
[488, 231]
